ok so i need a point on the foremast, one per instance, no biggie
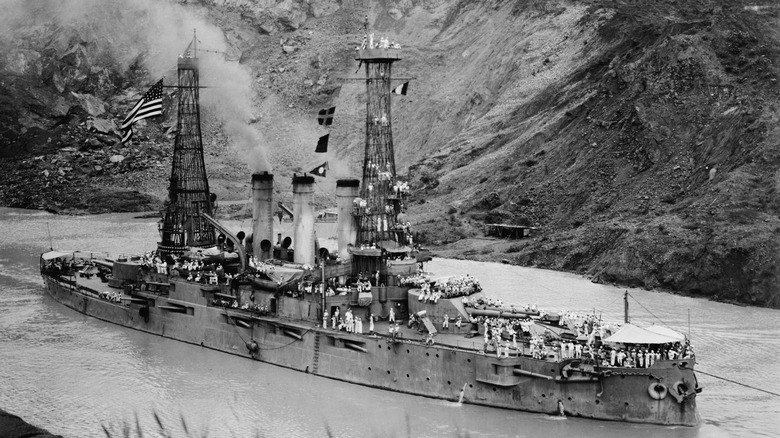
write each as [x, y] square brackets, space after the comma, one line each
[182, 225]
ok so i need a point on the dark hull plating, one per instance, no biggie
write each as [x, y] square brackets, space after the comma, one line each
[439, 371]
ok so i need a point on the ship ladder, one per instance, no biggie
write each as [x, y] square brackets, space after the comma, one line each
[316, 364]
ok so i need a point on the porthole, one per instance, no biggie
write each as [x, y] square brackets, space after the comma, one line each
[407, 376]
[428, 379]
[598, 401]
[543, 396]
[626, 403]
[427, 354]
[437, 354]
[369, 368]
[469, 360]
[449, 383]
[407, 350]
[569, 398]
[494, 389]
[388, 371]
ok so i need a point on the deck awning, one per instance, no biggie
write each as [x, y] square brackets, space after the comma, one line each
[633, 334]
[51, 255]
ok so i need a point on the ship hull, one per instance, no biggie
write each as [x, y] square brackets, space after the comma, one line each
[406, 366]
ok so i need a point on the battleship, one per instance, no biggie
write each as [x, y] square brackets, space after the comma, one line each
[365, 313]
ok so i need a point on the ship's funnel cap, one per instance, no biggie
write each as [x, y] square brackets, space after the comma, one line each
[265, 176]
[301, 179]
[348, 183]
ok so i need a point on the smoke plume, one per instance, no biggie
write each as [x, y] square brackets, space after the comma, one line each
[152, 33]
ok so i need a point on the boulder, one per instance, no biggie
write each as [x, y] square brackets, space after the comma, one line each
[266, 27]
[76, 56]
[102, 126]
[22, 62]
[91, 104]
[395, 13]
[117, 158]
[322, 8]
[289, 15]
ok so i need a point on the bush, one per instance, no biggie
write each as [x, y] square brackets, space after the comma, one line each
[490, 201]
[514, 248]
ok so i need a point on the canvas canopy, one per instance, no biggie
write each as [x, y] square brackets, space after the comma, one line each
[632, 334]
[283, 275]
[666, 332]
[51, 255]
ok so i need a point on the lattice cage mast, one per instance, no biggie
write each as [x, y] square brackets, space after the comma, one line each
[188, 195]
[380, 201]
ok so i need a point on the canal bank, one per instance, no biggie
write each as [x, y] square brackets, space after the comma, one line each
[12, 426]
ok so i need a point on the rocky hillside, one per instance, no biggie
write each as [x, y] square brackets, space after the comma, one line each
[638, 137]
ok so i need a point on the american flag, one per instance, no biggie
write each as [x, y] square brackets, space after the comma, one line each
[149, 105]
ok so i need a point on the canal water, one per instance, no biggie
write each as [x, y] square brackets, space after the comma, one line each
[75, 376]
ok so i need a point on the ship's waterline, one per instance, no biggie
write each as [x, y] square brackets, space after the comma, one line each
[129, 368]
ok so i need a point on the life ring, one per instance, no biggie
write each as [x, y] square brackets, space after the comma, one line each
[680, 388]
[657, 390]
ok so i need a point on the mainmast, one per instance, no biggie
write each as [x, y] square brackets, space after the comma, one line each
[380, 200]
[379, 234]
[188, 193]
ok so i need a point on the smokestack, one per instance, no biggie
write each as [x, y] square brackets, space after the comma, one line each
[303, 219]
[262, 215]
[346, 192]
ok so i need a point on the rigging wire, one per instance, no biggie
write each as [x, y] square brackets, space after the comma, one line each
[648, 310]
[610, 304]
[328, 195]
[705, 373]
[737, 383]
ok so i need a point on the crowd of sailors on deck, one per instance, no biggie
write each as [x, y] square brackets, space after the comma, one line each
[260, 309]
[500, 336]
[381, 43]
[192, 268]
[484, 302]
[348, 322]
[452, 287]
[112, 297]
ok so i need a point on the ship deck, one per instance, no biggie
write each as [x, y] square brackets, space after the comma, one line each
[452, 338]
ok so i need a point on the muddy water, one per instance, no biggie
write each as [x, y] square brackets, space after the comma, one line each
[74, 375]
